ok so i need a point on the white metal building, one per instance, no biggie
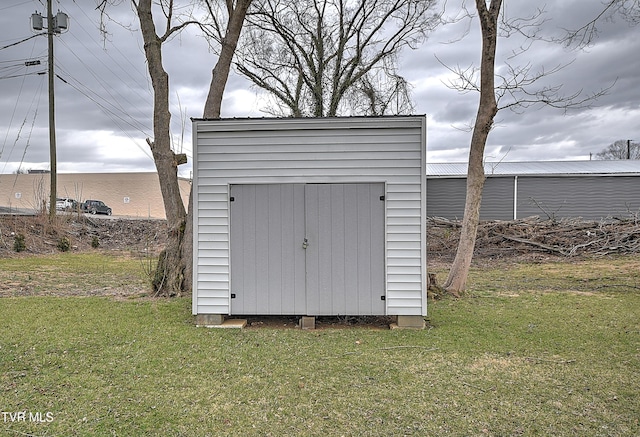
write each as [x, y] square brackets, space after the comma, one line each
[591, 190]
[310, 216]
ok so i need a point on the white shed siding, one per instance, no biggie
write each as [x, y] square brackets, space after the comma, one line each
[337, 150]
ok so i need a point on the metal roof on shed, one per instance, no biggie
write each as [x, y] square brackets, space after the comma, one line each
[539, 168]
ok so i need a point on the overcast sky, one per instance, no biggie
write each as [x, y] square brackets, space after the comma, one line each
[104, 100]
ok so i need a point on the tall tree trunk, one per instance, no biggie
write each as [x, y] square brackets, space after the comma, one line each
[212, 108]
[220, 73]
[170, 272]
[487, 108]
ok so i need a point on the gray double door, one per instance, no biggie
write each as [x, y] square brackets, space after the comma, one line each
[307, 249]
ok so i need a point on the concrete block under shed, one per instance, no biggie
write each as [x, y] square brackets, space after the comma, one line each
[307, 322]
[409, 322]
[227, 324]
[209, 319]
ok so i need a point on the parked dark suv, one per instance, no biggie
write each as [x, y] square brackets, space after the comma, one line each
[96, 207]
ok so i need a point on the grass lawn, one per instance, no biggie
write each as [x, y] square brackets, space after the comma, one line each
[85, 274]
[548, 349]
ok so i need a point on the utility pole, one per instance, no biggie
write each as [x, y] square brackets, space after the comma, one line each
[55, 25]
[52, 118]
[628, 149]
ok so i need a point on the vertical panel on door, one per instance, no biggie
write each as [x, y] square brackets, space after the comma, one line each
[267, 259]
[345, 255]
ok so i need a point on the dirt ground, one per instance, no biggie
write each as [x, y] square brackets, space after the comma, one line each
[81, 231]
[323, 322]
[530, 239]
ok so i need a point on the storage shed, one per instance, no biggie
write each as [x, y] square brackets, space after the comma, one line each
[591, 190]
[310, 217]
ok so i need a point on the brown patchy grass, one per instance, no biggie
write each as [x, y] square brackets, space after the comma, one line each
[582, 276]
[284, 382]
[68, 274]
[535, 349]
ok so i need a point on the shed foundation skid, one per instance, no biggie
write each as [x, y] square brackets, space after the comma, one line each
[409, 322]
[307, 322]
[209, 319]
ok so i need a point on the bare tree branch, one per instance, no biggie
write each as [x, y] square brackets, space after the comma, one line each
[312, 54]
[585, 35]
[621, 149]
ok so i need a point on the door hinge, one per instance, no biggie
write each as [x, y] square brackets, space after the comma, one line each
[232, 199]
[383, 297]
[233, 295]
[382, 198]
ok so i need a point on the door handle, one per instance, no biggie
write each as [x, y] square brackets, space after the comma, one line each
[305, 243]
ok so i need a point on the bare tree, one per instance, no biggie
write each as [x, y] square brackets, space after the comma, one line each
[621, 149]
[487, 110]
[331, 57]
[173, 273]
[517, 88]
[169, 277]
[225, 30]
[225, 36]
[584, 36]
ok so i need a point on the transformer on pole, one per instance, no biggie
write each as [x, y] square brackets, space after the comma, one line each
[55, 26]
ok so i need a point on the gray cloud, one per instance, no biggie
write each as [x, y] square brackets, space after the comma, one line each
[104, 99]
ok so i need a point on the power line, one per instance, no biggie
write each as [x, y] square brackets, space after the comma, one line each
[22, 40]
[117, 119]
[115, 47]
[26, 146]
[14, 6]
[38, 95]
[116, 105]
[18, 68]
[105, 67]
[23, 75]
[123, 71]
[101, 83]
[15, 108]
[22, 61]
[127, 71]
[102, 103]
